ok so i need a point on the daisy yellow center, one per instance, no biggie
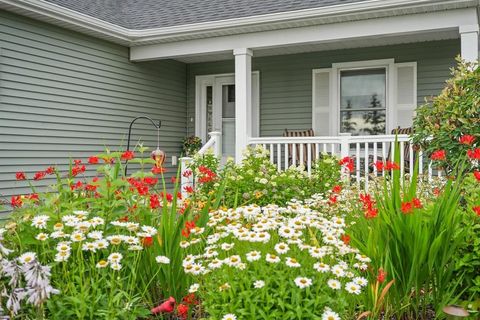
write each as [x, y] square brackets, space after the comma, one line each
[28, 259]
[330, 318]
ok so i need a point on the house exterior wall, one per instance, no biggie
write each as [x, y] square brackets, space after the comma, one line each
[286, 81]
[64, 95]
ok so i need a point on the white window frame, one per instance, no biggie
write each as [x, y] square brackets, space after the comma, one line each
[201, 84]
[334, 112]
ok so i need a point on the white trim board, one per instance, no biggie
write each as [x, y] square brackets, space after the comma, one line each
[344, 31]
[67, 18]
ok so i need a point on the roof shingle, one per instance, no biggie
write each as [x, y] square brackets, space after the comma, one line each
[146, 14]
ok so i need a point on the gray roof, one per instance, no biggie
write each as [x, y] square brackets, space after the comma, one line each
[145, 14]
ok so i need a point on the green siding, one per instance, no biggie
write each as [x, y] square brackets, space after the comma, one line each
[286, 81]
[66, 95]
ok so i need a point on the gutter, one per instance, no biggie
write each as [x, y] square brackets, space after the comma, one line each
[58, 15]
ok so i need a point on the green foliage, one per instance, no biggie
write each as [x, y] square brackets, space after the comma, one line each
[258, 181]
[190, 145]
[415, 243]
[439, 124]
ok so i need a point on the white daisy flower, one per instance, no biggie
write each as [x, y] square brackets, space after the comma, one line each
[281, 248]
[227, 246]
[27, 257]
[259, 284]
[215, 264]
[162, 260]
[102, 264]
[253, 256]
[184, 244]
[363, 258]
[62, 256]
[303, 282]
[150, 230]
[338, 271]
[286, 232]
[63, 246]
[233, 261]
[361, 281]
[96, 221]
[115, 266]
[135, 248]
[101, 244]
[194, 288]
[77, 236]
[292, 263]
[321, 267]
[89, 246]
[115, 239]
[330, 315]
[352, 287]
[41, 236]
[272, 258]
[40, 222]
[334, 284]
[115, 257]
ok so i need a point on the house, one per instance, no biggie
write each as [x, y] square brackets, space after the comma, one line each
[73, 73]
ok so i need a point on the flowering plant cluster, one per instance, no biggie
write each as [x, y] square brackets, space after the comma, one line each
[290, 260]
[109, 245]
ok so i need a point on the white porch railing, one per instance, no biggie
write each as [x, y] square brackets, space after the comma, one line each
[364, 150]
[214, 144]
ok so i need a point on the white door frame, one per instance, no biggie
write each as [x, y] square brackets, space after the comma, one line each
[216, 81]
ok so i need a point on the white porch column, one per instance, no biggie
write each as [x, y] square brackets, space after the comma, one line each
[243, 100]
[469, 42]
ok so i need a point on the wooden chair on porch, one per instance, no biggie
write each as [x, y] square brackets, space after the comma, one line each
[299, 133]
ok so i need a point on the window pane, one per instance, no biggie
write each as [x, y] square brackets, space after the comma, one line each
[363, 122]
[209, 109]
[362, 89]
[228, 103]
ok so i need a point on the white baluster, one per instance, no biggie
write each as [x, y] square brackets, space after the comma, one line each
[279, 157]
[301, 154]
[402, 158]
[271, 153]
[357, 166]
[286, 156]
[294, 154]
[366, 165]
[309, 159]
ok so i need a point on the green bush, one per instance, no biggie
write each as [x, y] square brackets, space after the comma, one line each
[455, 112]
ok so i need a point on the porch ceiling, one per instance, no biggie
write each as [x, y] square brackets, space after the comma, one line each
[331, 45]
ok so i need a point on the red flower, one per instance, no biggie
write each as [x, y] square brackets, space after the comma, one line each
[127, 155]
[407, 207]
[474, 154]
[154, 201]
[124, 218]
[389, 165]
[33, 197]
[93, 160]
[476, 210]
[345, 238]
[20, 175]
[142, 190]
[332, 199]
[166, 307]
[381, 275]
[16, 201]
[467, 139]
[147, 242]
[348, 163]
[187, 173]
[50, 170]
[77, 162]
[437, 192]
[417, 204]
[336, 189]
[477, 175]
[158, 170]
[182, 311]
[438, 155]
[150, 180]
[90, 187]
[190, 299]
[78, 169]
[173, 180]
[77, 185]
[39, 175]
[179, 195]
[186, 232]
[379, 165]
[371, 213]
[188, 189]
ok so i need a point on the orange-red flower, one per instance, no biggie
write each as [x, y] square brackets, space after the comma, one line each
[345, 238]
[20, 175]
[474, 154]
[154, 201]
[337, 188]
[407, 207]
[188, 189]
[158, 170]
[417, 204]
[93, 160]
[476, 174]
[77, 169]
[16, 201]
[182, 311]
[147, 242]
[39, 175]
[187, 173]
[438, 155]
[467, 139]
[476, 210]
[127, 155]
[381, 275]
[348, 163]
[50, 170]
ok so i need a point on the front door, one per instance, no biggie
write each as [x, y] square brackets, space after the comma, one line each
[216, 109]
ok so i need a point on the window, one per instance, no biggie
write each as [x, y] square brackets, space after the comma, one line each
[363, 101]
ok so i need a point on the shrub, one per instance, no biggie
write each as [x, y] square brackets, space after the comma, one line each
[191, 145]
[450, 122]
